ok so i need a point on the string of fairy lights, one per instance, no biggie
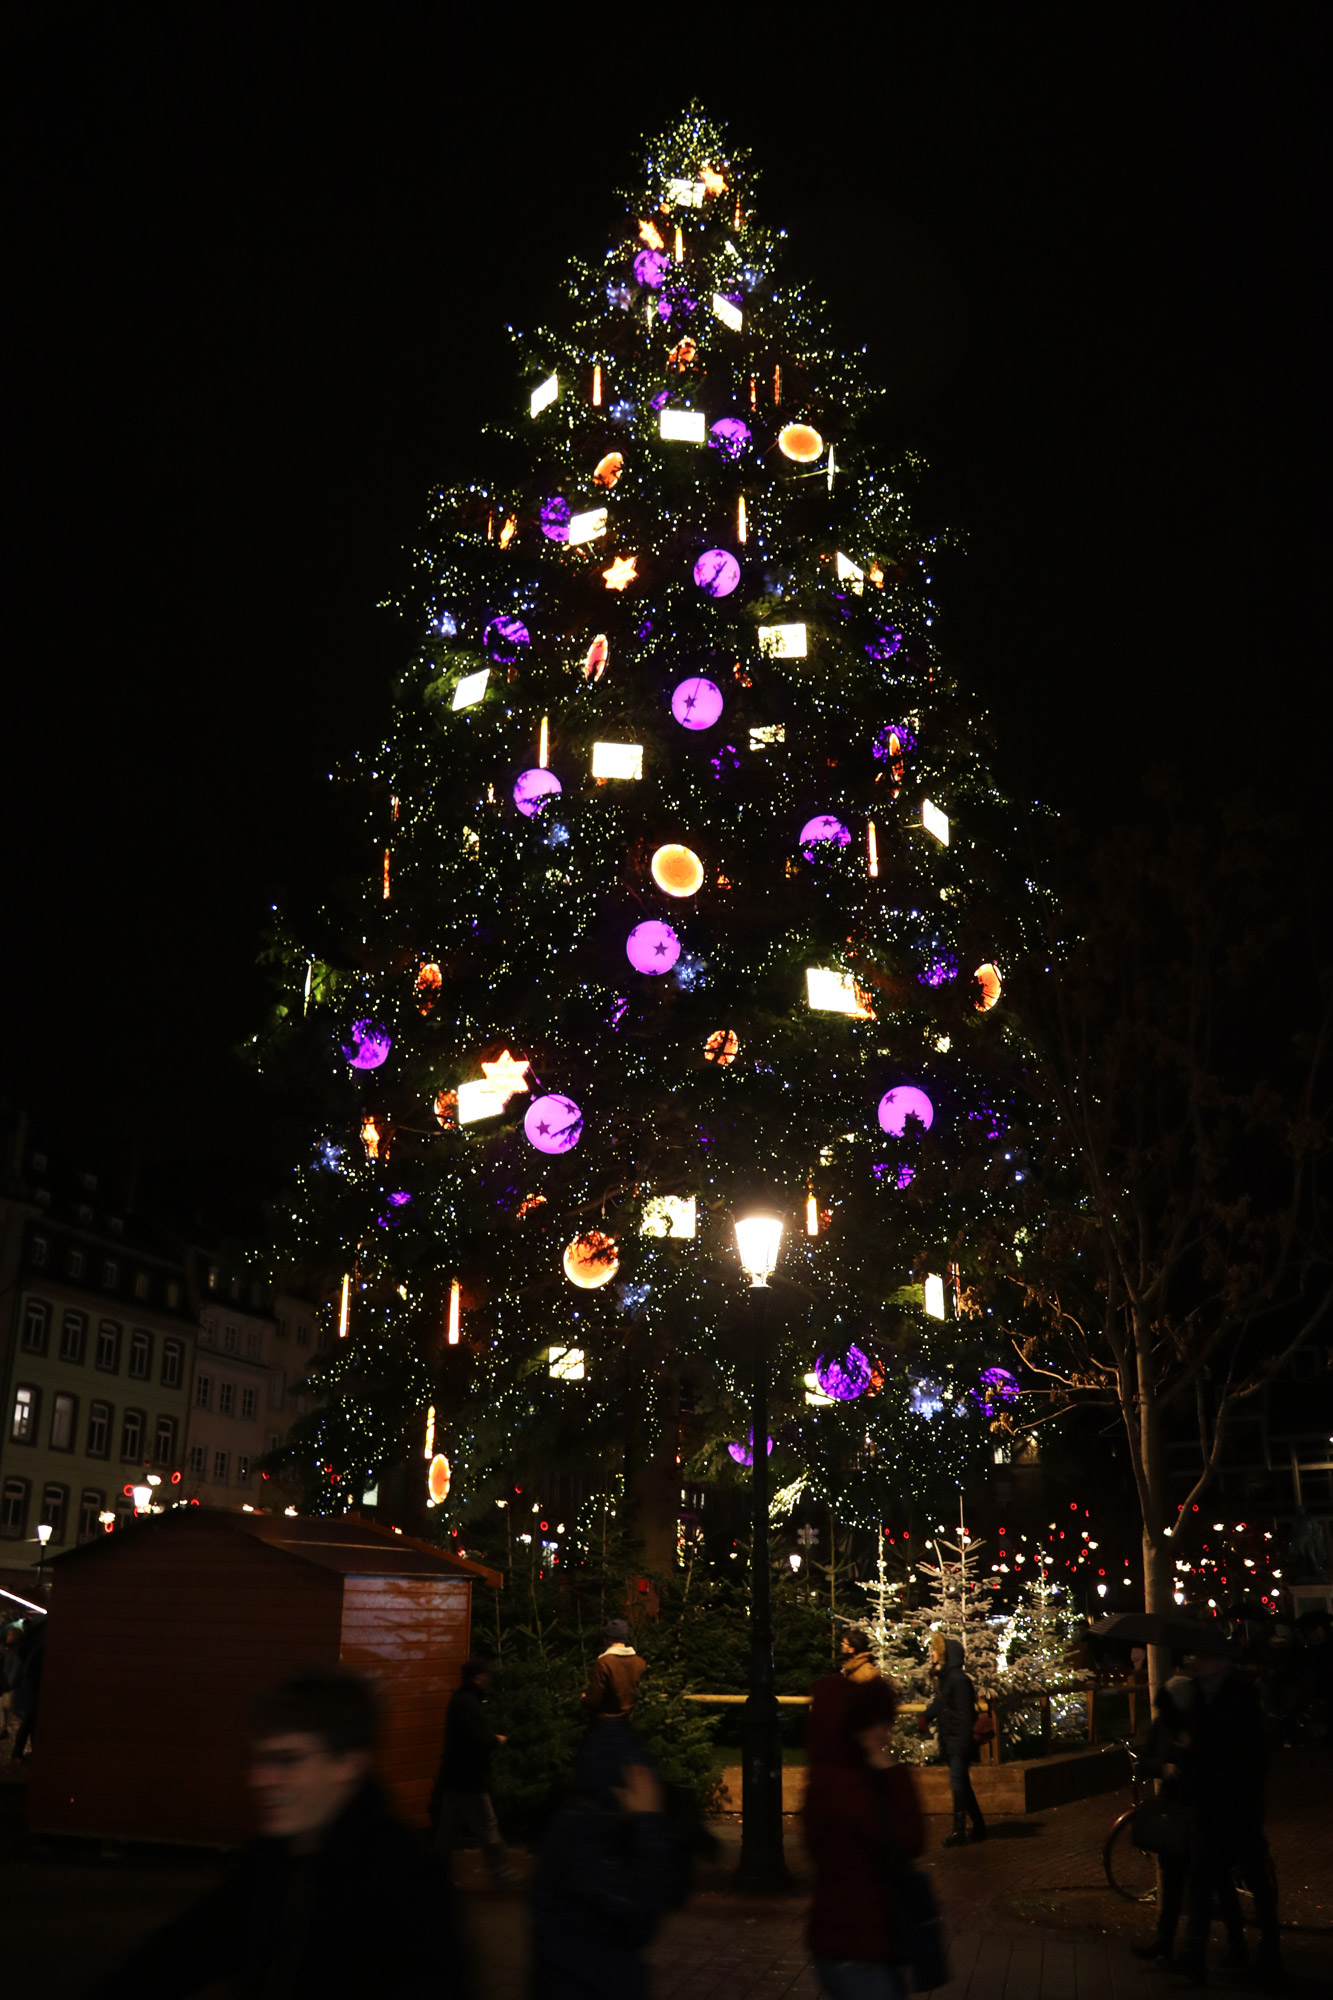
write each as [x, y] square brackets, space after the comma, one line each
[688, 883]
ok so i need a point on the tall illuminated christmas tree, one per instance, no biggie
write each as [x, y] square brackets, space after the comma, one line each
[686, 886]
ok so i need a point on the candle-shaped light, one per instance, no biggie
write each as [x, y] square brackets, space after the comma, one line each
[386, 874]
[345, 1306]
[544, 745]
[740, 519]
[872, 848]
[597, 384]
[455, 1312]
[430, 1432]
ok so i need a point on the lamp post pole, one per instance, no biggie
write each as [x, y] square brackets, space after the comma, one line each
[762, 1869]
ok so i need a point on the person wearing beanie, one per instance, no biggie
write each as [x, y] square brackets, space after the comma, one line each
[616, 1673]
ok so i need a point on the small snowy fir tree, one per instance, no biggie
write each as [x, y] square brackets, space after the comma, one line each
[959, 1607]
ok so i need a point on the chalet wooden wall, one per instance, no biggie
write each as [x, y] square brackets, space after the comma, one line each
[411, 1634]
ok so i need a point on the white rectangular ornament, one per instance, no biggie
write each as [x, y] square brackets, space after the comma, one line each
[617, 760]
[471, 688]
[669, 1215]
[848, 572]
[479, 1099]
[545, 395]
[566, 1364]
[686, 194]
[729, 313]
[587, 527]
[782, 642]
[935, 822]
[685, 426]
[834, 992]
[932, 1296]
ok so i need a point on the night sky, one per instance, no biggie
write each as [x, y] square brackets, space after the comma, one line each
[262, 261]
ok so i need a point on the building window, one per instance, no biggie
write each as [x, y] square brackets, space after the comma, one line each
[173, 1293]
[208, 1336]
[211, 1281]
[281, 1329]
[164, 1441]
[91, 1504]
[36, 1326]
[37, 1252]
[74, 1263]
[110, 1274]
[131, 1434]
[73, 1337]
[242, 1468]
[141, 1354]
[272, 1441]
[252, 1344]
[64, 1411]
[302, 1334]
[203, 1392]
[226, 1398]
[99, 1430]
[55, 1505]
[219, 1468]
[198, 1461]
[108, 1347]
[248, 1404]
[23, 1423]
[141, 1284]
[14, 1510]
[173, 1355]
[229, 1340]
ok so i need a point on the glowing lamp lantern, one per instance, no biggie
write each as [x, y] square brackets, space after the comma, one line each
[439, 1479]
[677, 871]
[533, 789]
[590, 1260]
[824, 829]
[903, 1102]
[744, 1453]
[553, 1124]
[652, 947]
[370, 1045]
[717, 572]
[988, 982]
[722, 1046]
[504, 638]
[729, 436]
[608, 470]
[758, 1240]
[697, 704]
[843, 1380]
[801, 443]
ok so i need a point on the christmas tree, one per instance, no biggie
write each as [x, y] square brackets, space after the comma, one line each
[686, 886]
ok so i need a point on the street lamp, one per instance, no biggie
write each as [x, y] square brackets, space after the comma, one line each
[762, 1869]
[44, 1533]
[142, 1497]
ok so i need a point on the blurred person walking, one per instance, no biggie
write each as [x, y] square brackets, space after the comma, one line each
[461, 1806]
[606, 1876]
[953, 1713]
[863, 1822]
[335, 1896]
[616, 1672]
[1227, 1771]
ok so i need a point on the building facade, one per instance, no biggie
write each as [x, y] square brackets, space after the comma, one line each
[249, 1365]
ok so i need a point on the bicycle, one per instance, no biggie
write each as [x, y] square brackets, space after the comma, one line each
[1130, 1870]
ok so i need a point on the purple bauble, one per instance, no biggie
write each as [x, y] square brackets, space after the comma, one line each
[898, 1105]
[697, 704]
[503, 638]
[553, 1124]
[906, 740]
[744, 1453]
[555, 519]
[370, 1045]
[843, 1380]
[650, 268]
[729, 436]
[822, 829]
[995, 1388]
[652, 947]
[884, 644]
[717, 572]
[533, 789]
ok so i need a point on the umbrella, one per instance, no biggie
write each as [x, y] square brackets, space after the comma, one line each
[1159, 1628]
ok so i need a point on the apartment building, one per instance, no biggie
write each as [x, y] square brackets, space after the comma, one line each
[250, 1361]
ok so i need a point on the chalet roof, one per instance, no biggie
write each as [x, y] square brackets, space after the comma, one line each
[344, 1542]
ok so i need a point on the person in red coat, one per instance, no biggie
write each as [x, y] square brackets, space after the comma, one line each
[862, 1818]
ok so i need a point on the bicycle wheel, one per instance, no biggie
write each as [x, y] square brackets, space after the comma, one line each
[1130, 1872]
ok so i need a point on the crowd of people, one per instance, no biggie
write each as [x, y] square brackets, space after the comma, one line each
[336, 1886]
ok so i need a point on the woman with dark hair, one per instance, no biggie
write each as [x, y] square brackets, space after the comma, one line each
[862, 1822]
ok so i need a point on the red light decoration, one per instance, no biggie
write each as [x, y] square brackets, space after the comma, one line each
[128, 1491]
[176, 1478]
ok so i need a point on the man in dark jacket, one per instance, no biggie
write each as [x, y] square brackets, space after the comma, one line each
[462, 1802]
[616, 1673]
[1227, 1769]
[953, 1711]
[605, 1876]
[336, 1896]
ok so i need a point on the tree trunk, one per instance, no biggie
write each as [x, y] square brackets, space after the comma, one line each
[1157, 1548]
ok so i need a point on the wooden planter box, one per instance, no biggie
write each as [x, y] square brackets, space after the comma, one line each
[1033, 1785]
[163, 1636]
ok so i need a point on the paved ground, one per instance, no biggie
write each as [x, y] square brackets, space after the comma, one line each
[1030, 1915]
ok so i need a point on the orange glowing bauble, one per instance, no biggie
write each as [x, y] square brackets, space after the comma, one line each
[595, 664]
[677, 871]
[446, 1107]
[439, 1479]
[721, 1046]
[429, 981]
[800, 442]
[683, 354]
[607, 470]
[591, 1260]
[988, 979]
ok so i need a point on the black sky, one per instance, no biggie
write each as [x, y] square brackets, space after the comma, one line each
[263, 262]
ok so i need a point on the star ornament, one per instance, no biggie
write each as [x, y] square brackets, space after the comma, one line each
[507, 1075]
[621, 573]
